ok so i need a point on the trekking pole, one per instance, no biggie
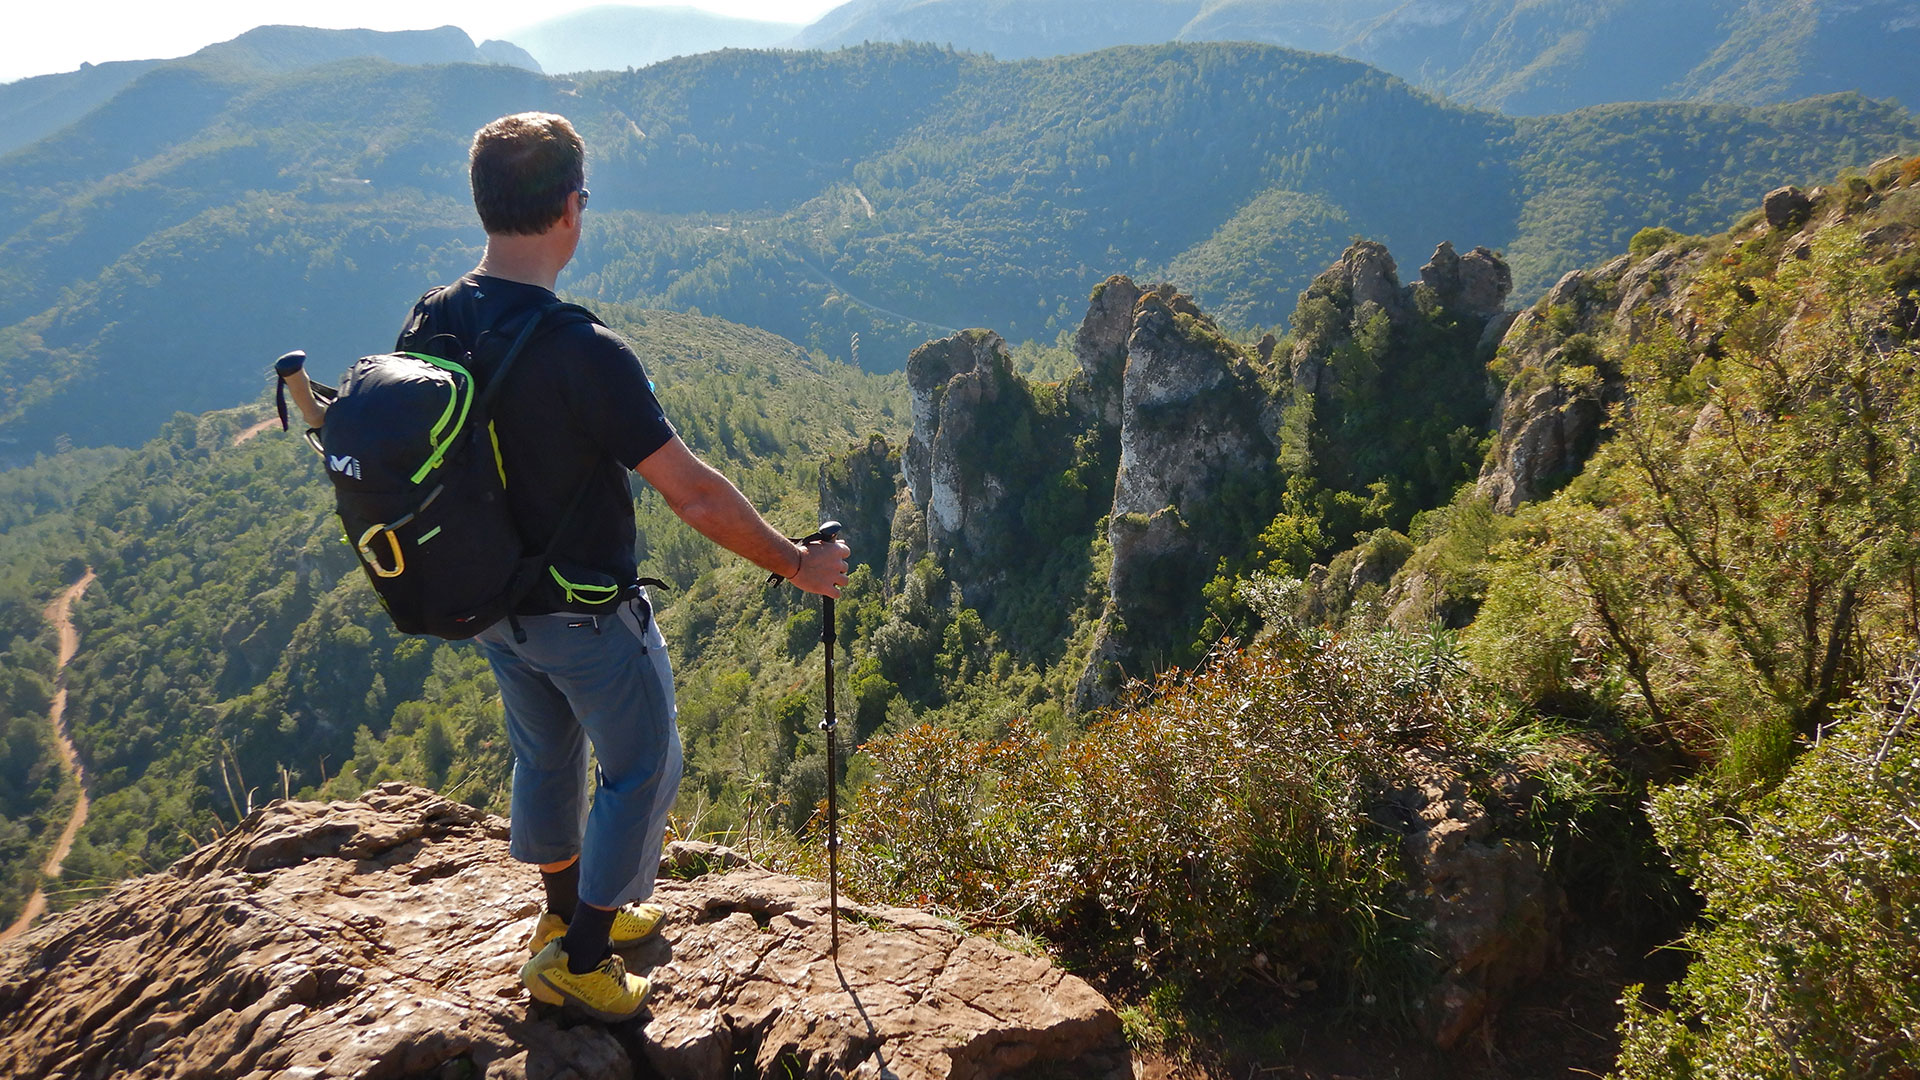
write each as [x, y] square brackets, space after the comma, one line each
[827, 531]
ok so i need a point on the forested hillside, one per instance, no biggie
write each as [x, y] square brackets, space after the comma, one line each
[1525, 57]
[892, 192]
[1702, 602]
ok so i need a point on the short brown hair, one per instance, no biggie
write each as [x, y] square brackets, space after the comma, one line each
[523, 168]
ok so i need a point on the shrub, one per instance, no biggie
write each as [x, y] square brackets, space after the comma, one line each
[1217, 832]
[1806, 966]
[1737, 561]
[1651, 239]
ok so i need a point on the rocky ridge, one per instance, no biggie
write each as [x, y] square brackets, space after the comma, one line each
[1188, 430]
[382, 938]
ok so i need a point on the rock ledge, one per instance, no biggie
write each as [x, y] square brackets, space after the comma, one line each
[383, 937]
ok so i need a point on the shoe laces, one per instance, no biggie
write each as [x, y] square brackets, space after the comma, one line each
[615, 968]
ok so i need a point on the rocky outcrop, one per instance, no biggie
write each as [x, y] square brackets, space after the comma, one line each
[859, 489]
[382, 937]
[1191, 420]
[1100, 347]
[1363, 282]
[1491, 915]
[1787, 208]
[985, 442]
[1475, 284]
[1562, 374]
[955, 383]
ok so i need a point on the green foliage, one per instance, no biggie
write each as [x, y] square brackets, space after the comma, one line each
[232, 651]
[893, 192]
[1738, 554]
[1651, 239]
[1216, 833]
[1804, 964]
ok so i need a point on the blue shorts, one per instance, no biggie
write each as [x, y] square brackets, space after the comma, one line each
[602, 680]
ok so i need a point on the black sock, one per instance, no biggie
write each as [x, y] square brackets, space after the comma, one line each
[563, 890]
[586, 943]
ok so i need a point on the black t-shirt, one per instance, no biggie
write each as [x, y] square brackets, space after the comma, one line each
[577, 408]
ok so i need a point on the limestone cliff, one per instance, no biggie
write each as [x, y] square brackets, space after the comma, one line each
[998, 469]
[382, 938]
[1561, 380]
[1183, 440]
[1192, 439]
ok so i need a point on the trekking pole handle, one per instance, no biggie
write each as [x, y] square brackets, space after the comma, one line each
[291, 368]
[828, 530]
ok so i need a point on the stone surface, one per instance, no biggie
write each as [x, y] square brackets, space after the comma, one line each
[1787, 207]
[1190, 420]
[1491, 915]
[1100, 348]
[1476, 283]
[383, 938]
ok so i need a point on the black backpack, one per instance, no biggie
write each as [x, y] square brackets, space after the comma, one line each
[420, 486]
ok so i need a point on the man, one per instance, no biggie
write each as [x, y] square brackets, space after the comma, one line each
[576, 413]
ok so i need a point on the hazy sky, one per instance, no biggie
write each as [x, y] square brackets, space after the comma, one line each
[43, 36]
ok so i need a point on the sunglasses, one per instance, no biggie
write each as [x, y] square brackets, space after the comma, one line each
[584, 193]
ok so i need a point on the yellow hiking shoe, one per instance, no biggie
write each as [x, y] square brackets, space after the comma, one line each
[605, 993]
[630, 924]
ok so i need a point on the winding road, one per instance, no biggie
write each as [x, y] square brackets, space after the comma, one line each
[60, 614]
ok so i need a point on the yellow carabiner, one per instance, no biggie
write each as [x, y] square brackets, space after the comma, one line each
[373, 561]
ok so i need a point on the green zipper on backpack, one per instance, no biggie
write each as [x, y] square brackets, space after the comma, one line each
[463, 400]
[577, 594]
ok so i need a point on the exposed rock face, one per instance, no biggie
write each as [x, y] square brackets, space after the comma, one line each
[952, 380]
[1555, 403]
[383, 937]
[1545, 438]
[1101, 348]
[1365, 280]
[1179, 432]
[1190, 419]
[1476, 283]
[1787, 208]
[1492, 916]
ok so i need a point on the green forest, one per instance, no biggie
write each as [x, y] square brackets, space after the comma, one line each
[1680, 680]
[1226, 590]
[213, 213]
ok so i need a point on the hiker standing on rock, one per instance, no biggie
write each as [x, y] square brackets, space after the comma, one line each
[578, 412]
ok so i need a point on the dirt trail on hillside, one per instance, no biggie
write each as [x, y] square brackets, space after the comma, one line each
[254, 430]
[60, 614]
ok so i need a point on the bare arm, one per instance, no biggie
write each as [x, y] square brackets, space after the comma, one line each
[715, 508]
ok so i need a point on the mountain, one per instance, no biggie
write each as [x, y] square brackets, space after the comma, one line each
[1516, 56]
[1008, 29]
[616, 36]
[33, 108]
[1543, 56]
[210, 216]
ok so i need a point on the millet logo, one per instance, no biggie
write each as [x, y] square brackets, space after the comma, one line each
[347, 465]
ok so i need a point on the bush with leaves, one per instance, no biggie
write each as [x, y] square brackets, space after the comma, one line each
[1805, 966]
[1740, 558]
[1221, 830]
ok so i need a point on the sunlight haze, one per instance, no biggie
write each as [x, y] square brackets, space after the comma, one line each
[47, 38]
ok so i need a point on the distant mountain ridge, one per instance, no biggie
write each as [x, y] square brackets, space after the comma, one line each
[1517, 56]
[155, 253]
[615, 36]
[33, 108]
